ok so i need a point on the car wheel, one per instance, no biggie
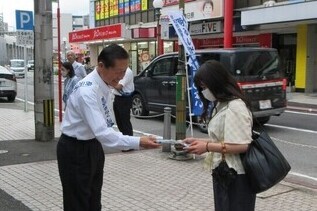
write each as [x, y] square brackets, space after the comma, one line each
[11, 98]
[263, 120]
[138, 106]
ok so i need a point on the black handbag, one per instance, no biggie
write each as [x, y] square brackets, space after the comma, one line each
[264, 164]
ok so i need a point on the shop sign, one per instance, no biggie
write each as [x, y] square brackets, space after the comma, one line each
[144, 33]
[263, 40]
[100, 33]
[246, 39]
[197, 10]
[205, 28]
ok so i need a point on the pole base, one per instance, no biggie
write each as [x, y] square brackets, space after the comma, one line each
[180, 155]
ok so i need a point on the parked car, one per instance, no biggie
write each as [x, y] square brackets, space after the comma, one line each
[257, 71]
[8, 84]
[30, 65]
[18, 67]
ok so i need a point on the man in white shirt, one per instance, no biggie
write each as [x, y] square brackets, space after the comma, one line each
[80, 70]
[123, 102]
[87, 126]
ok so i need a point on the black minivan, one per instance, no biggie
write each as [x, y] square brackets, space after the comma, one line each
[257, 71]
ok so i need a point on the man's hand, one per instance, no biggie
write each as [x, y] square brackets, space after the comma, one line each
[148, 142]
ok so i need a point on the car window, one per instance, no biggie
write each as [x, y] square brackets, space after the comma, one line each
[257, 63]
[163, 67]
[17, 63]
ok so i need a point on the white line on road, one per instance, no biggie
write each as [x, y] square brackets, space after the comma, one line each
[292, 128]
[295, 144]
[303, 113]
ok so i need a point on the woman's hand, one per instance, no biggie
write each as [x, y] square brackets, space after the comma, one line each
[196, 146]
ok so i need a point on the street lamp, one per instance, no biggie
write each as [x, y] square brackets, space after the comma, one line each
[158, 5]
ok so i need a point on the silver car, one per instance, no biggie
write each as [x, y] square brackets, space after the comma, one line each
[18, 67]
[8, 84]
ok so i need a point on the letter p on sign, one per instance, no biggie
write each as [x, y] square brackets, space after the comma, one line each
[24, 20]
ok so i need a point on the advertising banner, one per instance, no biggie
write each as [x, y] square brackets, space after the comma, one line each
[197, 9]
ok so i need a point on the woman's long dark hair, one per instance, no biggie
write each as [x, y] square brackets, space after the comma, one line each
[214, 76]
[69, 66]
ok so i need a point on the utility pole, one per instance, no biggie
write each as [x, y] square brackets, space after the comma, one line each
[43, 73]
[181, 88]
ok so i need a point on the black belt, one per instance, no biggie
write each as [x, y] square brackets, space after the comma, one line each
[75, 139]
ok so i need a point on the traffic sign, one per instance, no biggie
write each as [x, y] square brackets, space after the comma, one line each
[25, 38]
[24, 20]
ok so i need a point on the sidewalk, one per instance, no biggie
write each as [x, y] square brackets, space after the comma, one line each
[139, 180]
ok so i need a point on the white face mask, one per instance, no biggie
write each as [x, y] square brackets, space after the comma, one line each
[208, 95]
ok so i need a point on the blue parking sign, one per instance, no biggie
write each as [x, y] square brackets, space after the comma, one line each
[24, 20]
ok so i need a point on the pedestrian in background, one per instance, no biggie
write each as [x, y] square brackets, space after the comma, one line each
[229, 134]
[80, 70]
[87, 126]
[70, 80]
[123, 103]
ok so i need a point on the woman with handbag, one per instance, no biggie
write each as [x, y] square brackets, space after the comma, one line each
[229, 135]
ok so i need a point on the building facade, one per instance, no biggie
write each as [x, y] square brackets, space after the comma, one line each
[8, 45]
[288, 25]
[68, 23]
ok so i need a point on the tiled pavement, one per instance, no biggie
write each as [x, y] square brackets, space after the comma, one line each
[140, 180]
[143, 180]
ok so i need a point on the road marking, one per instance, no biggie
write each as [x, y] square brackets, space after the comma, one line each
[292, 128]
[303, 113]
[303, 175]
[295, 144]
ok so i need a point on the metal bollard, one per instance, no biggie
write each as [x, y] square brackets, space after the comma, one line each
[167, 129]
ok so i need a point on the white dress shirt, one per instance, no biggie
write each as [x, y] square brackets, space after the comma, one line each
[79, 69]
[87, 115]
[127, 83]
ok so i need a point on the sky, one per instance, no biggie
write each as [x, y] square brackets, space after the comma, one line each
[8, 8]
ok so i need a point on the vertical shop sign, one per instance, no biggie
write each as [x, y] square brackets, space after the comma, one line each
[102, 10]
[132, 5]
[121, 7]
[106, 3]
[126, 6]
[97, 9]
[137, 6]
[164, 27]
[144, 5]
[115, 8]
[111, 10]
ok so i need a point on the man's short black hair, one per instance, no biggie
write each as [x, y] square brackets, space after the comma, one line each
[112, 52]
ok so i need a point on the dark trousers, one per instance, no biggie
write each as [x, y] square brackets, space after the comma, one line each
[121, 108]
[80, 165]
[237, 197]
